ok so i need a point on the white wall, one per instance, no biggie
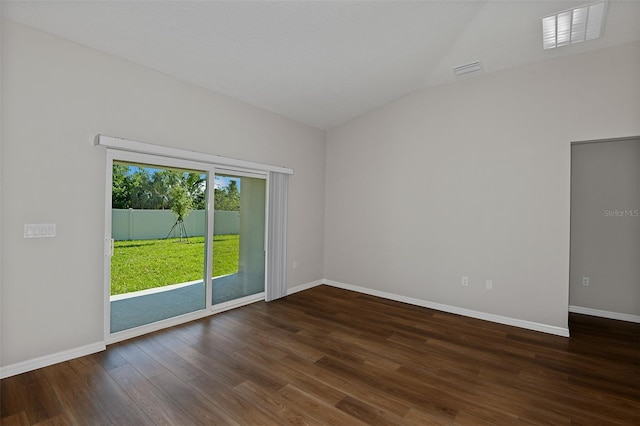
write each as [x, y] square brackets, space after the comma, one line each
[605, 226]
[57, 96]
[472, 179]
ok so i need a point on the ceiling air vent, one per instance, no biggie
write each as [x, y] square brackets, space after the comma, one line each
[574, 25]
[468, 69]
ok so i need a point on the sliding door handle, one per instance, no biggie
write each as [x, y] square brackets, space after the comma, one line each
[109, 247]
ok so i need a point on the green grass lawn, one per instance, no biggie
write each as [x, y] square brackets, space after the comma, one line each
[143, 264]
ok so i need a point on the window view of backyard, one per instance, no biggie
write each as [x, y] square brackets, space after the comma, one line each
[144, 264]
[150, 202]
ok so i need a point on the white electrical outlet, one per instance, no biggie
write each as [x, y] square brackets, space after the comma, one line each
[585, 281]
[465, 281]
[488, 284]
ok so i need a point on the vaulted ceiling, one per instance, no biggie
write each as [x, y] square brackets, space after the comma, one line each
[318, 62]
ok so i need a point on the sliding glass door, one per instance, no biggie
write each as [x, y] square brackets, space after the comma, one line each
[183, 238]
[158, 258]
[239, 236]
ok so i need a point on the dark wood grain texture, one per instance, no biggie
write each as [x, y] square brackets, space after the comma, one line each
[334, 357]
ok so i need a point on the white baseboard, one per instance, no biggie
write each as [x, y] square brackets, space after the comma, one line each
[306, 286]
[44, 361]
[559, 331]
[604, 314]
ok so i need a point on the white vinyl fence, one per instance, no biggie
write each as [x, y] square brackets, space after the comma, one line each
[130, 224]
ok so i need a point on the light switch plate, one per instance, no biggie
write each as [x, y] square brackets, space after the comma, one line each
[39, 230]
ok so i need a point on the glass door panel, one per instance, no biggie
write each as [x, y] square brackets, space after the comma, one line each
[158, 227]
[239, 237]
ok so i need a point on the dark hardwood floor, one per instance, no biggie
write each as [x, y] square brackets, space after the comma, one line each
[329, 356]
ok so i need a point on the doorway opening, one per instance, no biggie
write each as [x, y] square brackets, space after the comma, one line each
[605, 229]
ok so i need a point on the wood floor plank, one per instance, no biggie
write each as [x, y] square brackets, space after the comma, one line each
[272, 404]
[283, 368]
[391, 386]
[368, 413]
[319, 409]
[144, 363]
[158, 407]
[77, 398]
[198, 408]
[169, 359]
[112, 398]
[328, 356]
[209, 364]
[368, 394]
[416, 416]
[60, 420]
[230, 404]
[18, 419]
[29, 394]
